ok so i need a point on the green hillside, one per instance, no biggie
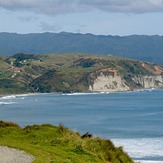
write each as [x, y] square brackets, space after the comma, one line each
[49, 144]
[70, 72]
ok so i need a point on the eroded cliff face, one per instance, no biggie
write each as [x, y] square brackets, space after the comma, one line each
[109, 80]
[149, 81]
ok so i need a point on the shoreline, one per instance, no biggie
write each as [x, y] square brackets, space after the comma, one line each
[80, 93]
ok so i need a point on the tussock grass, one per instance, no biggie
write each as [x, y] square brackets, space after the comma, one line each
[8, 124]
[48, 144]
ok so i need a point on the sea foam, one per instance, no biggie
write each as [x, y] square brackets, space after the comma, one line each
[143, 150]
[8, 97]
[79, 94]
[7, 103]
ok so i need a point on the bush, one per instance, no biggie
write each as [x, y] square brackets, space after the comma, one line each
[8, 124]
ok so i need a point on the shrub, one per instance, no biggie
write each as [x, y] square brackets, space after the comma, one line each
[8, 124]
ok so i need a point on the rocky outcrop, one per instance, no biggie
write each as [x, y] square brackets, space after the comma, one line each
[155, 81]
[109, 80]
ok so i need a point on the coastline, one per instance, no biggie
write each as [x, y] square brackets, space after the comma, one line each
[80, 93]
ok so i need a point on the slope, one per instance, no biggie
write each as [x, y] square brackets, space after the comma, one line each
[76, 72]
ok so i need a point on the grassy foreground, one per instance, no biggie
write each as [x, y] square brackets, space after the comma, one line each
[58, 144]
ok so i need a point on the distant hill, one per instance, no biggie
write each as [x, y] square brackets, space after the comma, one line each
[141, 47]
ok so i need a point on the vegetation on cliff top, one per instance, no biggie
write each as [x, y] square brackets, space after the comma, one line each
[57, 144]
[69, 72]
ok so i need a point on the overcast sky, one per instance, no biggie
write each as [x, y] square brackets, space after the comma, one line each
[106, 17]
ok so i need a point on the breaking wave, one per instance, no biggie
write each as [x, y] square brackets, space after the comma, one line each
[7, 103]
[8, 97]
[143, 150]
[79, 94]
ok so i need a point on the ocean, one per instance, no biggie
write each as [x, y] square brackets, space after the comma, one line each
[133, 120]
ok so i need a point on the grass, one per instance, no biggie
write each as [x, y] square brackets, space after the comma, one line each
[5, 74]
[3, 64]
[58, 144]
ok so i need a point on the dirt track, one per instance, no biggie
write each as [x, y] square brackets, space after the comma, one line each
[10, 155]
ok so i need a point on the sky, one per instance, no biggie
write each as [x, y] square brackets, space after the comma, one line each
[100, 17]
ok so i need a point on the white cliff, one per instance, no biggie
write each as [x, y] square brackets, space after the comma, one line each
[155, 81]
[108, 80]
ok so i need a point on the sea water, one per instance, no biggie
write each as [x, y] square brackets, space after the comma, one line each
[133, 120]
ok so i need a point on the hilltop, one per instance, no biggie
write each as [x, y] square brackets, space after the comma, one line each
[140, 47]
[76, 72]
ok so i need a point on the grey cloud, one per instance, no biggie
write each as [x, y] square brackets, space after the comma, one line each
[126, 6]
[18, 4]
[71, 6]
[42, 6]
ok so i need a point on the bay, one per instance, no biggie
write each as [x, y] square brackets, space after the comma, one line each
[133, 120]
